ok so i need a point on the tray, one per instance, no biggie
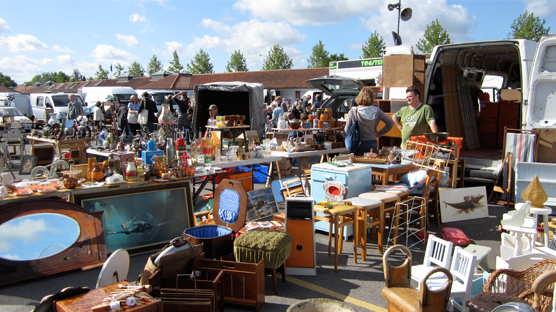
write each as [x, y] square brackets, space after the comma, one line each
[362, 159]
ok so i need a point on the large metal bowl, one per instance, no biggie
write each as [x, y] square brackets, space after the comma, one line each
[437, 137]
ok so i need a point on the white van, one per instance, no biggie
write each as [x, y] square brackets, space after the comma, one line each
[91, 95]
[57, 102]
[157, 95]
[22, 102]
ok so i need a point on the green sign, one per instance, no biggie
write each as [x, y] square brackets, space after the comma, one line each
[333, 65]
[358, 63]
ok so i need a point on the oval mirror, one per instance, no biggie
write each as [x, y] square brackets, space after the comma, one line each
[37, 236]
[68, 123]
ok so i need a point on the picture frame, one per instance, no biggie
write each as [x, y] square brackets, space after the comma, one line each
[463, 204]
[141, 217]
[28, 162]
[261, 203]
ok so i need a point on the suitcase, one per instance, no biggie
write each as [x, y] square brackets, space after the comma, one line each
[230, 204]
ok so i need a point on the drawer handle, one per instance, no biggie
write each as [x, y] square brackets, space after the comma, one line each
[327, 177]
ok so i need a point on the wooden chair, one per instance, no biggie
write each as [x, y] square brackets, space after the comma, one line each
[295, 187]
[430, 191]
[402, 297]
[523, 283]
[437, 254]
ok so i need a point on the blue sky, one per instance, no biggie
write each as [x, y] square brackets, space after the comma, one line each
[46, 35]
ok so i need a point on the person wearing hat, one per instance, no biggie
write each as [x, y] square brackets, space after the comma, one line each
[213, 113]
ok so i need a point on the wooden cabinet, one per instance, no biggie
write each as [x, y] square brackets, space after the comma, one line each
[242, 283]
[404, 70]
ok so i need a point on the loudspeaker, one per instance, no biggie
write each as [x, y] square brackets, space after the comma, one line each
[300, 224]
[397, 39]
[406, 14]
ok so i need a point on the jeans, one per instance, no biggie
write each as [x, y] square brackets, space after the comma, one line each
[185, 130]
[366, 147]
[133, 128]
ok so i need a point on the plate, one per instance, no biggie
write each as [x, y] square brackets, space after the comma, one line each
[24, 193]
[92, 184]
[46, 191]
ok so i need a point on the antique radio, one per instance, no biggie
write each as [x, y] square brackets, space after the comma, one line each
[300, 224]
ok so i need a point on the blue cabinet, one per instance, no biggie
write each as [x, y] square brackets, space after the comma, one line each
[356, 177]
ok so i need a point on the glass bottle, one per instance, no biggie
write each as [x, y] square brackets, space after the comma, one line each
[131, 171]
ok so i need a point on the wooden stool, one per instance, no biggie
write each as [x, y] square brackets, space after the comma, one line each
[366, 208]
[402, 297]
[389, 200]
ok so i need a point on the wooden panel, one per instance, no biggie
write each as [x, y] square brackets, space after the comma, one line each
[394, 132]
[384, 105]
[454, 121]
[404, 70]
[547, 146]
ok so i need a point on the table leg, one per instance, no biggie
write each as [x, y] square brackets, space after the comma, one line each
[545, 227]
[278, 170]
[381, 229]
[341, 231]
[269, 175]
[355, 238]
[362, 232]
[335, 243]
[330, 233]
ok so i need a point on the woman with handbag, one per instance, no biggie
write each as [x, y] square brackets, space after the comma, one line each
[367, 116]
[147, 110]
[133, 114]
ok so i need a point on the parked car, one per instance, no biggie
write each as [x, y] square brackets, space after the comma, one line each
[53, 102]
[8, 115]
[341, 90]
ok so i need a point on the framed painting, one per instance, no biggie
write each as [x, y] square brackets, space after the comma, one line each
[28, 162]
[463, 204]
[260, 204]
[141, 216]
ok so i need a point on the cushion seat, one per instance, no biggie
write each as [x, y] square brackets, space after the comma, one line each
[254, 245]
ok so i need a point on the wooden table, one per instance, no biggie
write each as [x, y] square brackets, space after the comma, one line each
[79, 144]
[385, 171]
[336, 217]
[303, 156]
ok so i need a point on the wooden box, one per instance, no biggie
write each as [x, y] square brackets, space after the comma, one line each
[243, 283]
[404, 70]
[44, 152]
[86, 302]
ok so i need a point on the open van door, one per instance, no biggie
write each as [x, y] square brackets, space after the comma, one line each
[541, 111]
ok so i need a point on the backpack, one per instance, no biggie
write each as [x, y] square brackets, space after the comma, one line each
[353, 137]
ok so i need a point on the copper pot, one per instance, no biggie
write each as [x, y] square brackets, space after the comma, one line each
[70, 183]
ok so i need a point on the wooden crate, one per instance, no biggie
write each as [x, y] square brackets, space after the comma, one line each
[243, 283]
[44, 152]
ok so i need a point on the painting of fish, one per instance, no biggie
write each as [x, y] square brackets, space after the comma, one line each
[463, 204]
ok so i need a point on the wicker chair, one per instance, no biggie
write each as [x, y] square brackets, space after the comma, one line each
[520, 283]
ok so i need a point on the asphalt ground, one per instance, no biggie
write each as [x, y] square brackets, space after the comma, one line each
[357, 284]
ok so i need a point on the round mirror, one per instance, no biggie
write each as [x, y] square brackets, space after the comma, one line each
[37, 236]
[68, 123]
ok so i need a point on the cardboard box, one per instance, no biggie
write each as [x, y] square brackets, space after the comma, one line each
[488, 124]
[510, 95]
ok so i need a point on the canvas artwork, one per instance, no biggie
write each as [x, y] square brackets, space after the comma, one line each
[141, 219]
[260, 204]
[463, 204]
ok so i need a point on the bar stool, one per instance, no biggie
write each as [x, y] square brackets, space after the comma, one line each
[403, 195]
[366, 208]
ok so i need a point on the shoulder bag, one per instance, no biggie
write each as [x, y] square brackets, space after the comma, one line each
[143, 116]
[353, 136]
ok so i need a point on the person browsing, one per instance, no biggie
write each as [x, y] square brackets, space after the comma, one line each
[368, 116]
[416, 118]
[74, 108]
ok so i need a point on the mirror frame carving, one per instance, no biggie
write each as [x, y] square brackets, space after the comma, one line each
[89, 249]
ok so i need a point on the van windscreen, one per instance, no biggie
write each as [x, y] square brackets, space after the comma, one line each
[62, 100]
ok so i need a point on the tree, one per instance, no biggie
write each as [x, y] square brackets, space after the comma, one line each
[155, 65]
[118, 70]
[175, 65]
[434, 35]
[319, 58]
[101, 73]
[55, 77]
[200, 64]
[237, 62]
[136, 69]
[336, 57]
[374, 46]
[277, 59]
[7, 81]
[527, 26]
[76, 76]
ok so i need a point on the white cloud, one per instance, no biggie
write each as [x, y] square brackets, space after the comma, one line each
[173, 46]
[137, 18]
[3, 26]
[129, 40]
[65, 59]
[251, 38]
[22, 68]
[61, 49]
[105, 52]
[455, 19]
[312, 12]
[356, 46]
[21, 43]
[541, 8]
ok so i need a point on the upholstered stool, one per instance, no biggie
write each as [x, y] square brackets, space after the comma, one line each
[389, 200]
[273, 246]
[366, 208]
[403, 195]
